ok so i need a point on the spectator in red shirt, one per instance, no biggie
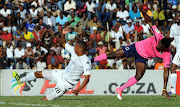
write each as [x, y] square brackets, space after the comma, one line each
[62, 62]
[56, 39]
[101, 49]
[53, 61]
[103, 64]
[95, 36]
[139, 30]
[37, 33]
[6, 37]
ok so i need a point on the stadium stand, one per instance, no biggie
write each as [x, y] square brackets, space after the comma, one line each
[30, 30]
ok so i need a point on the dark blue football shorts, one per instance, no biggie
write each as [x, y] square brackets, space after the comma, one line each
[130, 51]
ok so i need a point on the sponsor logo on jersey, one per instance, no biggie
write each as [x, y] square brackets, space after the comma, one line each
[88, 62]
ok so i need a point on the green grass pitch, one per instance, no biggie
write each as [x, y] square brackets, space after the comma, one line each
[91, 101]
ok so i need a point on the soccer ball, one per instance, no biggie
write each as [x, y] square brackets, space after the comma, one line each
[65, 54]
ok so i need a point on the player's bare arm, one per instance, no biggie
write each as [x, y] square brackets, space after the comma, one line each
[117, 54]
[146, 17]
[63, 40]
[86, 80]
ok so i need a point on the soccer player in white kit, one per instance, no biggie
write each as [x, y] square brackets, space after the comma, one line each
[67, 79]
[175, 33]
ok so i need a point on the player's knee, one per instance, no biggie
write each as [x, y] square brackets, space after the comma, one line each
[172, 68]
[38, 74]
[53, 95]
[138, 76]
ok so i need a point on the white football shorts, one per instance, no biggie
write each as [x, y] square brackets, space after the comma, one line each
[62, 86]
[176, 59]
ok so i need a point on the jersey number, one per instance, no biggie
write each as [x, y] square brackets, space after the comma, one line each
[178, 58]
[57, 89]
[127, 48]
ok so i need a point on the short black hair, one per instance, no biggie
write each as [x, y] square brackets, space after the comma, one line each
[20, 59]
[82, 45]
[33, 6]
[37, 44]
[104, 29]
[166, 42]
[19, 45]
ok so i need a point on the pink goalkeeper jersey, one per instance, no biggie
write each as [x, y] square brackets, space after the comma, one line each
[147, 48]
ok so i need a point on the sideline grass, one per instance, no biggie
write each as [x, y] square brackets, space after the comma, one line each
[91, 101]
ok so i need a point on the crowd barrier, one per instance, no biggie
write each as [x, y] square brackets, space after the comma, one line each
[102, 82]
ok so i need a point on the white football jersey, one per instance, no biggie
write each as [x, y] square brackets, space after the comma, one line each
[77, 66]
[175, 32]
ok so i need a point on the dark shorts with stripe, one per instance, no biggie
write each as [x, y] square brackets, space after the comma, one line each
[130, 51]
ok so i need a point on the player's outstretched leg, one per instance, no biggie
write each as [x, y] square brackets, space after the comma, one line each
[62, 86]
[140, 70]
[129, 83]
[172, 93]
[29, 76]
[16, 76]
[53, 95]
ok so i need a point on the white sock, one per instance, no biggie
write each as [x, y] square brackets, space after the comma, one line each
[29, 77]
[173, 81]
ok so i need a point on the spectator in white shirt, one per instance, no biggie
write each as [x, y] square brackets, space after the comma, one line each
[19, 52]
[49, 20]
[146, 28]
[131, 40]
[35, 3]
[117, 37]
[90, 9]
[33, 12]
[9, 53]
[70, 6]
[38, 3]
[41, 3]
[119, 25]
[41, 65]
[39, 6]
[39, 51]
[9, 50]
[21, 65]
[129, 29]
[5, 12]
[22, 12]
[122, 15]
[111, 7]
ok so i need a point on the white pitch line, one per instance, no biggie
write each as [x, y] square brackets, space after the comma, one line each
[24, 104]
[1, 102]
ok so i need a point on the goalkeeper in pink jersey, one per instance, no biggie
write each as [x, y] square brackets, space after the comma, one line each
[156, 46]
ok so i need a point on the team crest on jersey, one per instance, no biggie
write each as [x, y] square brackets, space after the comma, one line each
[88, 62]
[88, 69]
[167, 64]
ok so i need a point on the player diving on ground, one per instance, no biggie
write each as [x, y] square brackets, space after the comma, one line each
[156, 46]
[67, 79]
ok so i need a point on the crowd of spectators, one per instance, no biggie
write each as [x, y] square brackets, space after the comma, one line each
[30, 30]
